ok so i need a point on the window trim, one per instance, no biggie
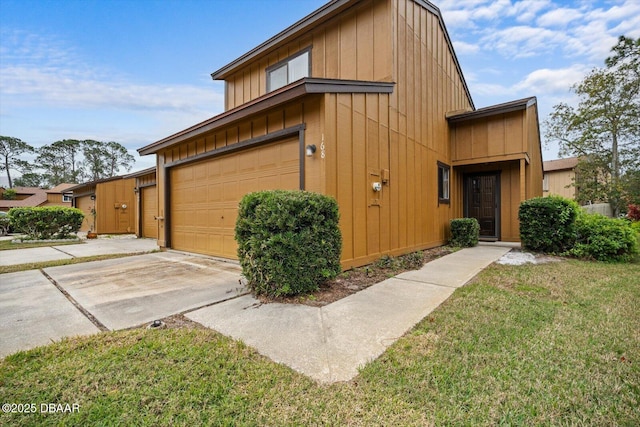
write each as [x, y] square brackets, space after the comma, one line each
[67, 198]
[286, 61]
[441, 193]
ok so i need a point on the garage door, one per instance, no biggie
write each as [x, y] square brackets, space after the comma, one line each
[205, 195]
[149, 198]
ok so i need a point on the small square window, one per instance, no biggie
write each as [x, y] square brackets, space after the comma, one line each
[443, 183]
[67, 198]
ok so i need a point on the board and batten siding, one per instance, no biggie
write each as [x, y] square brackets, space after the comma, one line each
[403, 135]
[354, 45]
[305, 112]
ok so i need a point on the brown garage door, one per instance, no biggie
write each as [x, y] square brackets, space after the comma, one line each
[149, 198]
[205, 194]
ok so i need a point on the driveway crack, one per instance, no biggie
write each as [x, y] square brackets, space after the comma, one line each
[60, 250]
[82, 310]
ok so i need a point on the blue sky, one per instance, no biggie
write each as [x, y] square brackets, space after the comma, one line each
[135, 71]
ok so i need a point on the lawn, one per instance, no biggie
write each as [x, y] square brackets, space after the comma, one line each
[552, 344]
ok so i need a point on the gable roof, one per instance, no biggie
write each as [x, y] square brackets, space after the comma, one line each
[60, 188]
[317, 17]
[560, 164]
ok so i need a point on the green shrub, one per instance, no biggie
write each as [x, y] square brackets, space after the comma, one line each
[9, 194]
[465, 232]
[49, 222]
[4, 223]
[289, 242]
[604, 239]
[547, 224]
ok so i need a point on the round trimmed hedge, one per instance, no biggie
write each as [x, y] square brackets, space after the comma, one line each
[289, 242]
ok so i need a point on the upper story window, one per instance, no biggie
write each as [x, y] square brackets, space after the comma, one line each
[289, 70]
[67, 198]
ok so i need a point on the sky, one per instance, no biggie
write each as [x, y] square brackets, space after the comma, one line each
[136, 71]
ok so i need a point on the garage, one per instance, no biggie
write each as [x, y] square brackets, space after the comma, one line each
[204, 195]
[149, 201]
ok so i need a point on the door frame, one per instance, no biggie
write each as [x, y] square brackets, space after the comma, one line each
[497, 200]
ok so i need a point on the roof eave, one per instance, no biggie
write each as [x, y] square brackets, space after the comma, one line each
[508, 107]
[302, 87]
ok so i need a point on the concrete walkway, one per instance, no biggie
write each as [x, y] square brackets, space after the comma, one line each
[330, 343]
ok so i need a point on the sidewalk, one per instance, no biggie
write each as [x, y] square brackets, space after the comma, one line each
[91, 247]
[330, 343]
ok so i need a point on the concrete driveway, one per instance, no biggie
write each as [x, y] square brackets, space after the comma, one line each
[115, 294]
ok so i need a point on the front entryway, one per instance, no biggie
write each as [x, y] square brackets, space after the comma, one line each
[482, 202]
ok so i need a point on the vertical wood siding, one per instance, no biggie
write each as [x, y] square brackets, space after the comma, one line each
[355, 45]
[111, 217]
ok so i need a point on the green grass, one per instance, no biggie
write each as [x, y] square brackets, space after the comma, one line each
[554, 344]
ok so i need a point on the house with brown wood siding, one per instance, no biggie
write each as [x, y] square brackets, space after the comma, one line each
[365, 101]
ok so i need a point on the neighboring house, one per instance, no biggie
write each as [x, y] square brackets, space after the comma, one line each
[34, 196]
[560, 177]
[25, 197]
[146, 203]
[60, 195]
[108, 205]
[365, 101]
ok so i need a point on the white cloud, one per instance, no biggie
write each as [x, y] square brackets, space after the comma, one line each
[41, 71]
[523, 41]
[67, 88]
[559, 17]
[547, 81]
[465, 48]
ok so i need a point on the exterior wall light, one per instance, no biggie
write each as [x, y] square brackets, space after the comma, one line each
[310, 149]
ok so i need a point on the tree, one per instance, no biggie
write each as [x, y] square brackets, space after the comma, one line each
[30, 179]
[104, 160]
[60, 161]
[604, 129]
[10, 151]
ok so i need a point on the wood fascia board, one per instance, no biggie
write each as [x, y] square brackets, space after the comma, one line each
[147, 171]
[508, 107]
[492, 159]
[288, 93]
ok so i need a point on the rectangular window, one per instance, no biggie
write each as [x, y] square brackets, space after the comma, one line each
[67, 198]
[443, 183]
[545, 182]
[288, 71]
